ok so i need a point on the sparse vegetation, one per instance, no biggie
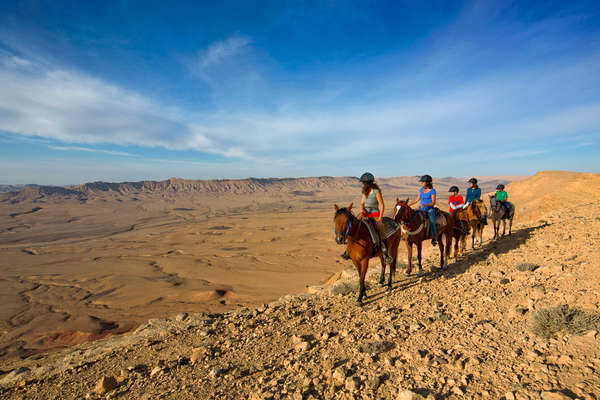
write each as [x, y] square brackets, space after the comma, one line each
[527, 267]
[549, 321]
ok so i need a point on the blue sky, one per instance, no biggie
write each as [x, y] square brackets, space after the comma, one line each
[117, 90]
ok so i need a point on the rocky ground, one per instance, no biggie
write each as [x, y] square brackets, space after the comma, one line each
[463, 333]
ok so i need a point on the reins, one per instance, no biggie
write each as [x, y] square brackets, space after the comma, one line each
[404, 226]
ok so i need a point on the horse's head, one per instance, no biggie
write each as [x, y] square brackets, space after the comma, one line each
[342, 221]
[402, 209]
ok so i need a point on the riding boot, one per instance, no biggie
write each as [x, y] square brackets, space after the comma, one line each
[345, 255]
[386, 257]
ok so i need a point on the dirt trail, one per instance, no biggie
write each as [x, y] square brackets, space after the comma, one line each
[457, 334]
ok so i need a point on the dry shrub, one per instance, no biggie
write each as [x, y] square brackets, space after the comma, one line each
[549, 321]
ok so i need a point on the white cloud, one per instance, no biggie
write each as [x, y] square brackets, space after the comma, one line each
[218, 53]
[76, 108]
[92, 150]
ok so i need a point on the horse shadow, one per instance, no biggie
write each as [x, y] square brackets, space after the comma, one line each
[498, 247]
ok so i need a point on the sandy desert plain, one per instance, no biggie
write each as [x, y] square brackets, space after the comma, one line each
[81, 265]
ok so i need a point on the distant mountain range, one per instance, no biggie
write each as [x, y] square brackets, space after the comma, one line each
[13, 188]
[293, 186]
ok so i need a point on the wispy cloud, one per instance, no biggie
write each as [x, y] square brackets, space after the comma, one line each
[92, 150]
[218, 53]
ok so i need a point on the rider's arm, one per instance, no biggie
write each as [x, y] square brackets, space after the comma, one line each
[415, 201]
[362, 204]
[381, 206]
[433, 196]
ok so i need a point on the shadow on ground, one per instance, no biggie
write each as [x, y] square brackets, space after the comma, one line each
[498, 247]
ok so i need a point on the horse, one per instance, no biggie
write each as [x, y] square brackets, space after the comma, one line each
[412, 227]
[499, 213]
[476, 214]
[461, 231]
[354, 233]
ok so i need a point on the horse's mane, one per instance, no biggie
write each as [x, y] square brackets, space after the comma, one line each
[342, 210]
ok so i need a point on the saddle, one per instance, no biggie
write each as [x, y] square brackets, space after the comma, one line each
[440, 221]
[508, 207]
[389, 227]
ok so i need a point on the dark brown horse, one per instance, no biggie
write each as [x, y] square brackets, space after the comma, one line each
[353, 232]
[460, 232]
[413, 224]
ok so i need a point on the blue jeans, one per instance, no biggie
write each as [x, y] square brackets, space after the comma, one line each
[431, 215]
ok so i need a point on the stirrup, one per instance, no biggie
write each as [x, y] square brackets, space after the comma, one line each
[434, 242]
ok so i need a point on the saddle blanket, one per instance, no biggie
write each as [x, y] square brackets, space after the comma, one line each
[390, 227]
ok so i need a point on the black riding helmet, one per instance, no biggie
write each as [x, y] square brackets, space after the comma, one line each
[453, 189]
[473, 181]
[425, 178]
[367, 177]
[500, 187]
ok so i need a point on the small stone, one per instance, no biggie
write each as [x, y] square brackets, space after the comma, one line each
[352, 383]
[181, 317]
[509, 396]
[302, 347]
[409, 395]
[374, 382]
[554, 396]
[458, 391]
[339, 376]
[156, 371]
[106, 384]
[591, 334]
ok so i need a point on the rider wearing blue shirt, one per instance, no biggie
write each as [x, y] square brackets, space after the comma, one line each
[473, 193]
[427, 197]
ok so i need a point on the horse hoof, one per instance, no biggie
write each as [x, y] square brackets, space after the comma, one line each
[420, 273]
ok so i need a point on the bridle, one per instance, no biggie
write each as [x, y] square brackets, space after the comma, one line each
[404, 217]
[350, 221]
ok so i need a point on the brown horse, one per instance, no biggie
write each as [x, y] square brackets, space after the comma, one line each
[476, 214]
[414, 230]
[461, 231]
[353, 232]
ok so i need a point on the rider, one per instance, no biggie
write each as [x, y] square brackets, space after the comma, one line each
[502, 197]
[372, 207]
[473, 192]
[455, 201]
[426, 197]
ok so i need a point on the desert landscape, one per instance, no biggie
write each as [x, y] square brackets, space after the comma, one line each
[80, 263]
[235, 289]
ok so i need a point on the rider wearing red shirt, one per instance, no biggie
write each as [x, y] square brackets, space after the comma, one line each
[455, 201]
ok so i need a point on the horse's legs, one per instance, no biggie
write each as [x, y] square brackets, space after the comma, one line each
[457, 239]
[394, 254]
[419, 248]
[480, 234]
[510, 226]
[441, 244]
[382, 276]
[473, 237]
[449, 238]
[363, 266]
[409, 256]
[503, 227]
